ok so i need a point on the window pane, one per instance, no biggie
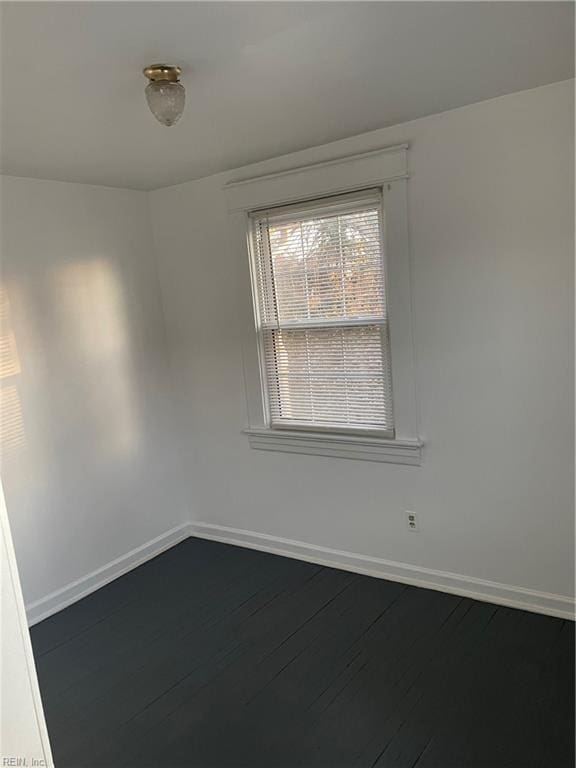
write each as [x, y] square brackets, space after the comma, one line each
[328, 268]
[321, 313]
[334, 376]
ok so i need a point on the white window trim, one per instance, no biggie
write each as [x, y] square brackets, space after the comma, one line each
[385, 168]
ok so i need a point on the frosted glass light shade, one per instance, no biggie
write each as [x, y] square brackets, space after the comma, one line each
[166, 100]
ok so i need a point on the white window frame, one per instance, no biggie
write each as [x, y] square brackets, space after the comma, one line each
[387, 169]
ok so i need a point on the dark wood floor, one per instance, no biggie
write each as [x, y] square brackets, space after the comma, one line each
[211, 655]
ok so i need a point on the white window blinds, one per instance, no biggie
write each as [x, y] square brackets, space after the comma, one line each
[320, 298]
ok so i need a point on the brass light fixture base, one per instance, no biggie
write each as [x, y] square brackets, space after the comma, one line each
[167, 72]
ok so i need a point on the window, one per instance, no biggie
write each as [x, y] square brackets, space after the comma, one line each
[331, 350]
[320, 297]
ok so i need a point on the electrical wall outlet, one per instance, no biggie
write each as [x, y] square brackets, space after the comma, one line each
[413, 522]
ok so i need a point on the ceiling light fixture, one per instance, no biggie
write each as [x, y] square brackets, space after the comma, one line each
[165, 93]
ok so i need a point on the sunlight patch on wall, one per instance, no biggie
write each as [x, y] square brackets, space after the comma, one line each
[90, 304]
[9, 361]
[12, 434]
[13, 437]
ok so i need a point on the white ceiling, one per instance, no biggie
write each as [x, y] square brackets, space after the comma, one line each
[262, 79]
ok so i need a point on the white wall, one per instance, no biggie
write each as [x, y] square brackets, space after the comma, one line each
[88, 460]
[491, 206]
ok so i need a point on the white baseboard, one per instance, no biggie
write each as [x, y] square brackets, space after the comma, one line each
[443, 581]
[61, 598]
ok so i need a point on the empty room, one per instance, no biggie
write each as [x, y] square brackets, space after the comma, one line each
[287, 384]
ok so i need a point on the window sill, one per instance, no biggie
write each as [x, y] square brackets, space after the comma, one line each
[337, 445]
